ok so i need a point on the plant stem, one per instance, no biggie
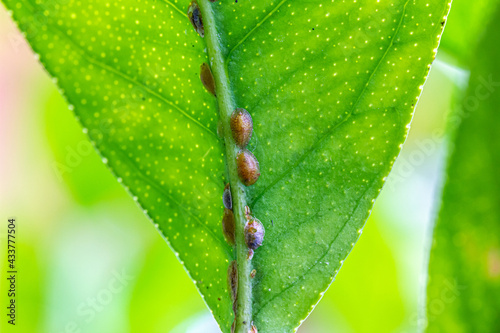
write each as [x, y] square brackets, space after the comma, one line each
[227, 105]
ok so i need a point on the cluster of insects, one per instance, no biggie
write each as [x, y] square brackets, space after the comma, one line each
[241, 126]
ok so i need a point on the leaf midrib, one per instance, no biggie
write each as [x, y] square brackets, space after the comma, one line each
[84, 54]
[226, 102]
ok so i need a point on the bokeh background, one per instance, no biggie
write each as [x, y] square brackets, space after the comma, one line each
[89, 261]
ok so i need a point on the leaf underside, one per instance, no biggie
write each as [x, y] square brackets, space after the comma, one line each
[463, 294]
[331, 87]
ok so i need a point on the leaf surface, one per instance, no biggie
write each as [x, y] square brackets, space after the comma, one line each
[331, 87]
[464, 273]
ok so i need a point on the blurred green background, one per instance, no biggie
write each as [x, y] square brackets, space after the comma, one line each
[90, 261]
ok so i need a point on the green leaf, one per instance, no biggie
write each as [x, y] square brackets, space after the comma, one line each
[76, 165]
[331, 87]
[464, 272]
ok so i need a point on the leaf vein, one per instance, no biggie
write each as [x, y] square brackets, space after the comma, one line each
[104, 66]
[323, 255]
[161, 190]
[175, 7]
[241, 41]
[349, 114]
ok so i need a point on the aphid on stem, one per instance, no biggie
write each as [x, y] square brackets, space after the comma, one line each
[194, 15]
[228, 227]
[254, 234]
[227, 199]
[248, 167]
[232, 281]
[241, 127]
[207, 78]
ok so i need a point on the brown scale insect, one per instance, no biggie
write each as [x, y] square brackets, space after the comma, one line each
[254, 234]
[207, 78]
[232, 282]
[227, 199]
[248, 167]
[194, 15]
[253, 273]
[241, 127]
[228, 223]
